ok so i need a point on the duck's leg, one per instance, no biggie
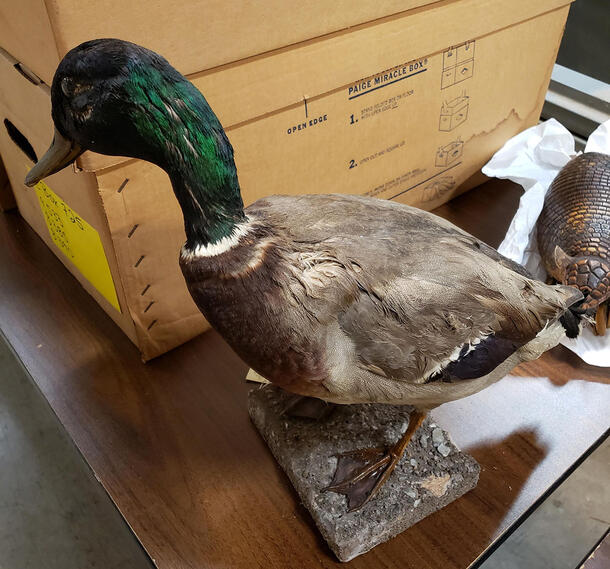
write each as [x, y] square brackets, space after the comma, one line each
[307, 407]
[361, 473]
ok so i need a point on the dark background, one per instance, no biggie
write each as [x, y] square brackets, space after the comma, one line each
[586, 43]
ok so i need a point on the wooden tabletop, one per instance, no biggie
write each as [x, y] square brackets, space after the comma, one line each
[172, 443]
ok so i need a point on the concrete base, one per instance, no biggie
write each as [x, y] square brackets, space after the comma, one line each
[432, 473]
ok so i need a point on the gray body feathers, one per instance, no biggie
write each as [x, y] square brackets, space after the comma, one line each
[355, 299]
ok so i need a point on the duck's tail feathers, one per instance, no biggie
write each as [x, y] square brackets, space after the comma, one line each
[571, 322]
[572, 317]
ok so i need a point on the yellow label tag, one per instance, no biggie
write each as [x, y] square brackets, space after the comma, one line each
[78, 241]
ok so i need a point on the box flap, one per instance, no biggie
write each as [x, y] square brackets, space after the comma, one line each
[192, 34]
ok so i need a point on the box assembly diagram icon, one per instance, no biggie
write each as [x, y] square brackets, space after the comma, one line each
[449, 153]
[454, 112]
[458, 64]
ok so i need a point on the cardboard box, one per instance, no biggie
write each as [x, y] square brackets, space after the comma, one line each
[192, 34]
[367, 112]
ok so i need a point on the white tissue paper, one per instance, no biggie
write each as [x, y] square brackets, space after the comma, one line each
[532, 159]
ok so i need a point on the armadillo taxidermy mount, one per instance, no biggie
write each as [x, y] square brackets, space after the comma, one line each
[574, 231]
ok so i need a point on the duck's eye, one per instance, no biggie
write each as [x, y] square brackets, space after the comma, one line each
[72, 88]
[67, 86]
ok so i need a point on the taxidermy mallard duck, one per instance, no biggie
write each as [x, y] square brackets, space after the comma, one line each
[348, 299]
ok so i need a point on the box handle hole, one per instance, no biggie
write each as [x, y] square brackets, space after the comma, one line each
[20, 140]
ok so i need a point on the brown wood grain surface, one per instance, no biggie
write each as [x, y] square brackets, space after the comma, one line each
[172, 443]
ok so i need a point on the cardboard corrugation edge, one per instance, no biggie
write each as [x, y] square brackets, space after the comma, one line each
[136, 338]
[163, 312]
[126, 324]
[275, 91]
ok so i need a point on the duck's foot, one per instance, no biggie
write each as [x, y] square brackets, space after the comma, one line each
[308, 407]
[361, 473]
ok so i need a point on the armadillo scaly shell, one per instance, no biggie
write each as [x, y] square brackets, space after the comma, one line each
[573, 229]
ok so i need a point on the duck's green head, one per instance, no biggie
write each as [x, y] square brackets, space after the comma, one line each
[115, 97]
